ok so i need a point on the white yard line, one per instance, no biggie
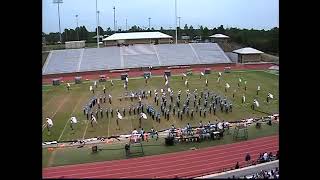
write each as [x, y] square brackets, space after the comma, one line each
[57, 110]
[108, 127]
[47, 102]
[86, 131]
[68, 118]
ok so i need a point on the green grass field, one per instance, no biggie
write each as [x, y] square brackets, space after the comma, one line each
[60, 105]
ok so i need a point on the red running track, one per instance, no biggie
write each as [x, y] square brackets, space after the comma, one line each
[186, 164]
[47, 79]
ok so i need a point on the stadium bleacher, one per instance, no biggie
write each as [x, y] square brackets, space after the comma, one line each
[210, 53]
[179, 54]
[62, 61]
[140, 55]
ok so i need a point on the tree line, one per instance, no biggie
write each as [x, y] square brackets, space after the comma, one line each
[264, 40]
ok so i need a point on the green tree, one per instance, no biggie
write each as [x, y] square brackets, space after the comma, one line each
[221, 30]
[205, 33]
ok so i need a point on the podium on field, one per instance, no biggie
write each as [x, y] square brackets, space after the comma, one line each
[240, 132]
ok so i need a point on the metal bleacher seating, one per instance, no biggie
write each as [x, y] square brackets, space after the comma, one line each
[140, 55]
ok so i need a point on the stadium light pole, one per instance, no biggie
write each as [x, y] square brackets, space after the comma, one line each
[126, 25]
[97, 23]
[77, 26]
[179, 24]
[176, 21]
[149, 23]
[58, 2]
[114, 19]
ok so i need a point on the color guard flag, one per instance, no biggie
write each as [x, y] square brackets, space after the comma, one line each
[202, 74]
[68, 84]
[206, 81]
[270, 96]
[220, 74]
[239, 79]
[184, 74]
[227, 85]
[119, 115]
[258, 88]
[49, 122]
[94, 119]
[256, 102]
[73, 120]
[186, 82]
[143, 115]
[90, 88]
[218, 79]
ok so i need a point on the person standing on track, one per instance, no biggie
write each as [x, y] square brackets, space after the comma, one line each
[104, 89]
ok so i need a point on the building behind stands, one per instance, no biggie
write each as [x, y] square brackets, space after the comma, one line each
[137, 38]
[248, 54]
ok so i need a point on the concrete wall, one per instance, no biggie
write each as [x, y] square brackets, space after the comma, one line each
[244, 58]
[75, 44]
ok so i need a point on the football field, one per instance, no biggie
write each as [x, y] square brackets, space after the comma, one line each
[60, 104]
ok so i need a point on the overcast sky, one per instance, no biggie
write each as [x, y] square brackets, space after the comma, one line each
[257, 14]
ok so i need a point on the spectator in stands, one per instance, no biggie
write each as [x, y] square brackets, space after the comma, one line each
[248, 158]
[237, 166]
[265, 157]
[270, 156]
